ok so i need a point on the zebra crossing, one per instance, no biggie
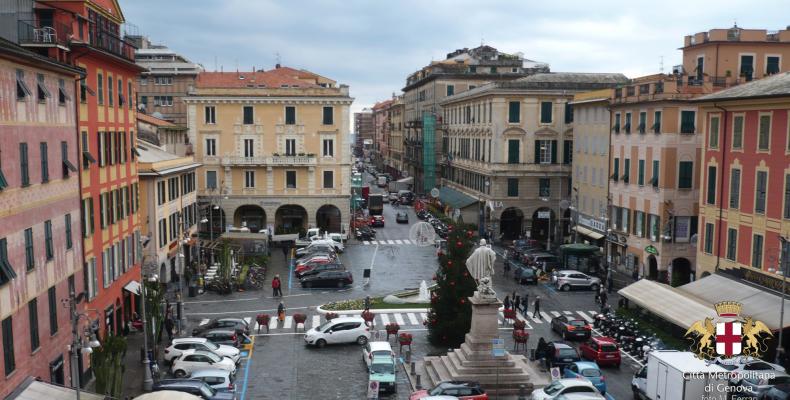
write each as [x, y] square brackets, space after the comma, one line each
[411, 320]
[388, 242]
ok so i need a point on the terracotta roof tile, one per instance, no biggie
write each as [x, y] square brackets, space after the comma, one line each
[274, 78]
[153, 120]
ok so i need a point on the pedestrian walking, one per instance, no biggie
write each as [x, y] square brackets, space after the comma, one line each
[506, 302]
[516, 302]
[525, 303]
[367, 303]
[285, 251]
[276, 290]
[604, 297]
[609, 281]
[281, 312]
[169, 326]
[536, 310]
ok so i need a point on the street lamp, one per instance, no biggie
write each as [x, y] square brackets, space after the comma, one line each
[784, 263]
[482, 220]
[78, 345]
[548, 233]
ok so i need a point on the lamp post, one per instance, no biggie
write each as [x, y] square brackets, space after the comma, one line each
[784, 263]
[482, 220]
[575, 208]
[548, 232]
[148, 381]
[78, 345]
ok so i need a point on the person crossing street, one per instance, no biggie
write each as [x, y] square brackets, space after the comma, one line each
[536, 310]
[276, 287]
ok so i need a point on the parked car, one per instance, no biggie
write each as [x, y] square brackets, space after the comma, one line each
[406, 197]
[194, 387]
[365, 233]
[560, 354]
[222, 336]
[320, 248]
[754, 386]
[217, 378]
[744, 364]
[603, 350]
[392, 197]
[312, 262]
[569, 279]
[778, 392]
[377, 221]
[322, 254]
[524, 275]
[543, 260]
[337, 279]
[314, 269]
[402, 218]
[571, 328]
[339, 330]
[463, 390]
[586, 370]
[179, 345]
[580, 396]
[376, 349]
[237, 324]
[382, 370]
[563, 386]
[193, 360]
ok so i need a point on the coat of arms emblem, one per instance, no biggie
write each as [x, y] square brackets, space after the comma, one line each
[729, 336]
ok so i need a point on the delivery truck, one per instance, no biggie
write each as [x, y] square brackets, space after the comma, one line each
[679, 375]
[375, 204]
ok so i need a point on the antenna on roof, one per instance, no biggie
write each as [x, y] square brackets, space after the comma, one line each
[277, 59]
[661, 65]
[215, 63]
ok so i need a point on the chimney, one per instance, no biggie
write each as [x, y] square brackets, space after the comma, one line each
[276, 66]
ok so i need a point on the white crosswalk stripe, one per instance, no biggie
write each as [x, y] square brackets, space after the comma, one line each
[568, 312]
[288, 321]
[424, 316]
[398, 241]
[273, 323]
[555, 313]
[316, 321]
[399, 319]
[366, 242]
[545, 316]
[583, 315]
[390, 242]
[204, 321]
[384, 319]
[412, 318]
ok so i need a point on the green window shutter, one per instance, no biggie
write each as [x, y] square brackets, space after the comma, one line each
[686, 177]
[641, 173]
[735, 188]
[626, 170]
[616, 172]
[23, 164]
[553, 151]
[514, 112]
[512, 187]
[711, 192]
[654, 180]
[732, 239]
[512, 151]
[537, 152]
[762, 183]
[765, 132]
[567, 152]
[687, 121]
[545, 112]
[737, 132]
[713, 139]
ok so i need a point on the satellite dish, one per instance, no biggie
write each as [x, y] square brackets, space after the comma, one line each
[564, 204]
[435, 193]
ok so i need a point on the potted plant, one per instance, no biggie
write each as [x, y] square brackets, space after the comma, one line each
[263, 320]
[519, 325]
[301, 154]
[276, 154]
[392, 329]
[299, 318]
[368, 316]
[330, 316]
[404, 339]
[510, 314]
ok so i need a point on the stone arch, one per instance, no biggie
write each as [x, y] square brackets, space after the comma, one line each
[250, 215]
[652, 268]
[543, 228]
[290, 218]
[681, 271]
[328, 218]
[511, 223]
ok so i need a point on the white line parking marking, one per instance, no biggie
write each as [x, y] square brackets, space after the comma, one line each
[204, 321]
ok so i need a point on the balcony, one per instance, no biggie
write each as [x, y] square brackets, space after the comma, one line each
[289, 129]
[302, 160]
[33, 34]
[113, 44]
[270, 161]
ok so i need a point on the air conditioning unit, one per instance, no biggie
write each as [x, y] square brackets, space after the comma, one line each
[677, 70]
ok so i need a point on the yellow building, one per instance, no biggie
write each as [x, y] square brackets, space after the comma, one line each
[275, 149]
[169, 206]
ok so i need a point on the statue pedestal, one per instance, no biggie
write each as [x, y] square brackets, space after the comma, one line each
[475, 360]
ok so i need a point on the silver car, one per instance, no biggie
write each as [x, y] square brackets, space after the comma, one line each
[569, 279]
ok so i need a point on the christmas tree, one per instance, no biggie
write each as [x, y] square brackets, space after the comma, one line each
[450, 316]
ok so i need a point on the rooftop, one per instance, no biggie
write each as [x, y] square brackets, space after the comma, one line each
[774, 86]
[279, 77]
[154, 121]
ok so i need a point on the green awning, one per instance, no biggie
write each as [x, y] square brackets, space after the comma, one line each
[579, 249]
[454, 198]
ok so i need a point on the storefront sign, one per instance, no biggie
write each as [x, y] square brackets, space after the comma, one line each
[544, 214]
[593, 223]
[650, 249]
[270, 203]
[765, 280]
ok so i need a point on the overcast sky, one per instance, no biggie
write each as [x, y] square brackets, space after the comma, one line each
[372, 45]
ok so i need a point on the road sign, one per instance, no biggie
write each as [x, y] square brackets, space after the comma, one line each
[498, 343]
[498, 352]
[373, 390]
[555, 373]
[435, 193]
[544, 214]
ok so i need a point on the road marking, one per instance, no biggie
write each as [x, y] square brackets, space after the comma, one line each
[221, 301]
[424, 316]
[412, 318]
[584, 316]
[398, 241]
[593, 313]
[545, 316]
[569, 313]
[399, 319]
[555, 313]
[316, 321]
[204, 321]
[366, 242]
[255, 312]
[384, 319]
[248, 320]
[273, 323]
[288, 321]
[247, 369]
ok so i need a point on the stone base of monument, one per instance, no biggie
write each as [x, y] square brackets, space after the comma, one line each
[475, 360]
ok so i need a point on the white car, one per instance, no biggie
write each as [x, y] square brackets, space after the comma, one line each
[196, 343]
[562, 386]
[339, 330]
[193, 360]
[373, 349]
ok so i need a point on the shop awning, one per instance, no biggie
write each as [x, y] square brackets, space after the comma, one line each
[408, 180]
[133, 287]
[671, 304]
[32, 389]
[759, 303]
[588, 232]
[454, 198]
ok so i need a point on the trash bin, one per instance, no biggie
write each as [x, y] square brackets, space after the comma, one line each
[192, 291]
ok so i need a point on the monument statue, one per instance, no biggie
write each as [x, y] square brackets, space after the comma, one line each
[481, 265]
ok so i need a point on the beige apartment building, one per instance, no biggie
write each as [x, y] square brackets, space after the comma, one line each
[394, 159]
[275, 149]
[590, 166]
[509, 146]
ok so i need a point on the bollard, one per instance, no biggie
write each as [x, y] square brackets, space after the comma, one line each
[417, 383]
[413, 368]
[407, 356]
[522, 392]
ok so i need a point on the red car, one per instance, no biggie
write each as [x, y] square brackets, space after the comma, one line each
[377, 221]
[602, 350]
[461, 389]
[311, 262]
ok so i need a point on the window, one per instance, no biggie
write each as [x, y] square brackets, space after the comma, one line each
[249, 179]
[48, 240]
[735, 188]
[567, 152]
[747, 67]
[711, 193]
[290, 179]
[656, 122]
[626, 170]
[87, 217]
[627, 126]
[6, 270]
[737, 132]
[546, 151]
[23, 164]
[64, 156]
[616, 170]
[161, 197]
[120, 92]
[764, 135]
[162, 231]
[129, 93]
[62, 95]
[713, 134]
[493, 70]
[211, 179]
[91, 278]
[642, 122]
[32, 308]
[513, 151]
[512, 187]
[8, 347]
[290, 115]
[654, 180]
[329, 179]
[211, 147]
[30, 256]
[568, 113]
[249, 148]
[43, 92]
[211, 114]
[109, 91]
[514, 112]
[655, 224]
[771, 65]
[639, 223]
[687, 121]
[67, 221]
[616, 126]
[163, 101]
[760, 189]
[544, 187]
[52, 298]
[786, 213]
[757, 251]
[640, 177]
[329, 148]
[44, 162]
[248, 117]
[328, 115]
[22, 90]
[100, 86]
[732, 243]
[685, 174]
[450, 90]
[545, 112]
[709, 238]
[625, 218]
[163, 80]
[290, 147]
